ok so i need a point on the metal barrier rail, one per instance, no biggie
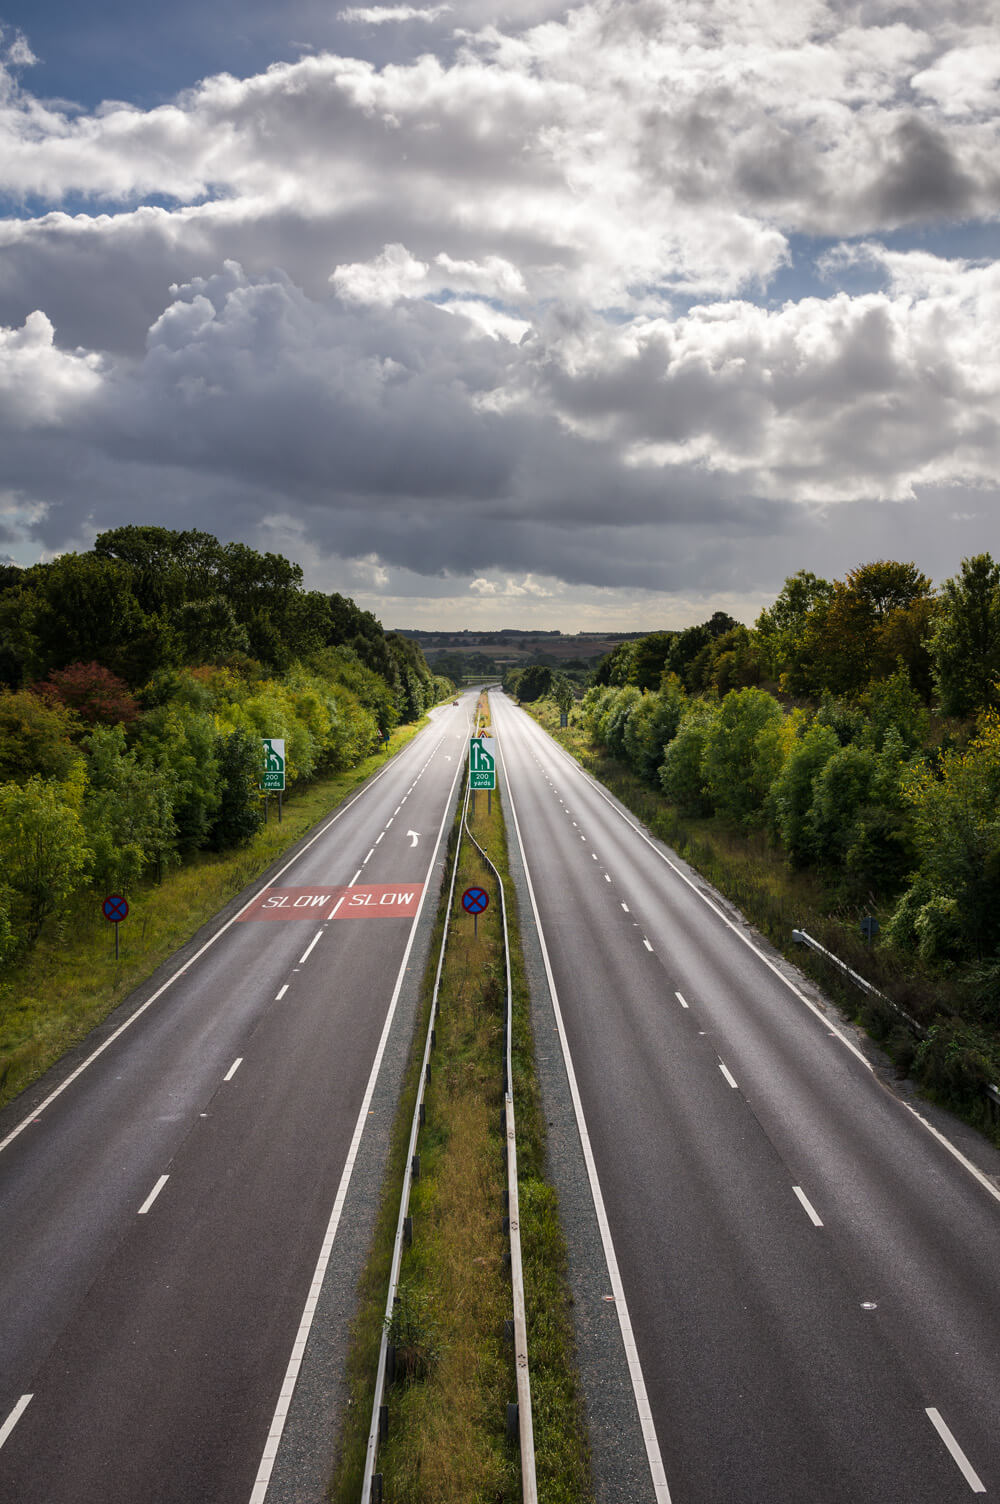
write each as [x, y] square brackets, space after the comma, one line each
[991, 1092]
[371, 1483]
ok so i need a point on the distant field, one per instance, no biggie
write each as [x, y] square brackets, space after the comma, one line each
[517, 646]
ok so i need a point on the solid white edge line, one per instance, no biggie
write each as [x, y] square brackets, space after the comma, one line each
[653, 1457]
[807, 1206]
[233, 1068]
[14, 1417]
[945, 1143]
[962, 1462]
[305, 1325]
[308, 950]
[37, 1111]
[158, 1187]
[728, 1074]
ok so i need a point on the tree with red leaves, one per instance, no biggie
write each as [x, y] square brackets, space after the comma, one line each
[93, 691]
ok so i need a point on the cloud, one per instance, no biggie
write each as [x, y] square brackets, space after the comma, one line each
[380, 15]
[504, 314]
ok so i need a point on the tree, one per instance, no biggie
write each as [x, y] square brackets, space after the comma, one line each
[180, 742]
[780, 627]
[792, 792]
[965, 647]
[649, 658]
[615, 667]
[35, 737]
[92, 691]
[535, 683]
[239, 815]
[82, 609]
[739, 763]
[42, 847]
[844, 644]
[652, 724]
[128, 811]
[682, 775]
[957, 833]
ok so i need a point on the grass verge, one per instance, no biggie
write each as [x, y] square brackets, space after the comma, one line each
[951, 1067]
[447, 1439]
[70, 981]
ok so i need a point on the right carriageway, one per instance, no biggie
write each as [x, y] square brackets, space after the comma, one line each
[807, 1273]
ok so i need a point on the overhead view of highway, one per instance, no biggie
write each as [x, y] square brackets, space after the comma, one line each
[808, 1271]
[167, 1211]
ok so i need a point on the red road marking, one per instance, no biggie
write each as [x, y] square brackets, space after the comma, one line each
[377, 901]
[381, 901]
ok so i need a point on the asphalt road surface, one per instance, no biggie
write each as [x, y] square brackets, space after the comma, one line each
[810, 1275]
[164, 1218]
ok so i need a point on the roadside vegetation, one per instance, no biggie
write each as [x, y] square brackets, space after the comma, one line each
[839, 760]
[447, 1441]
[136, 684]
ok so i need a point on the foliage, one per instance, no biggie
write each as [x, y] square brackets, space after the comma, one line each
[740, 760]
[791, 795]
[239, 814]
[35, 737]
[93, 691]
[128, 812]
[956, 809]
[682, 775]
[966, 644]
[652, 724]
[534, 683]
[45, 854]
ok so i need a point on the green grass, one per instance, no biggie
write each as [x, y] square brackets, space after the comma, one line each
[69, 982]
[447, 1441]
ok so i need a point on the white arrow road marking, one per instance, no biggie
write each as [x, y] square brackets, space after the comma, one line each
[415, 836]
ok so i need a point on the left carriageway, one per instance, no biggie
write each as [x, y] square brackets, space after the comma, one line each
[169, 1206]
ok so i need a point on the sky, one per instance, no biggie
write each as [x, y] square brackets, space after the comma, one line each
[593, 317]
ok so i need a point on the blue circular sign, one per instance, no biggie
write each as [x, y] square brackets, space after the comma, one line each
[115, 908]
[475, 900]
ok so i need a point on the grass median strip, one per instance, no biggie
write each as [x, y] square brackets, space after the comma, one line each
[447, 1440]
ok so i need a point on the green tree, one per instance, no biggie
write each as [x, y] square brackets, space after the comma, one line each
[43, 848]
[179, 741]
[127, 813]
[792, 792]
[652, 724]
[780, 627]
[842, 787]
[35, 737]
[535, 683]
[649, 658]
[739, 762]
[239, 814]
[614, 721]
[682, 775]
[956, 811]
[965, 648]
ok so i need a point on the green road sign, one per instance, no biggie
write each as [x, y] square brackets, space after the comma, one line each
[482, 763]
[272, 779]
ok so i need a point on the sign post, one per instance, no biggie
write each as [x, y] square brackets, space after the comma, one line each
[115, 909]
[273, 775]
[474, 902]
[483, 766]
